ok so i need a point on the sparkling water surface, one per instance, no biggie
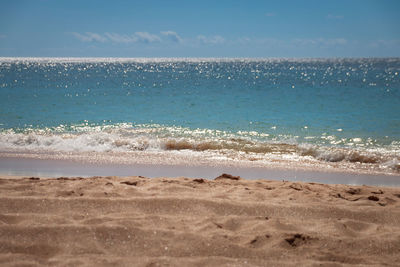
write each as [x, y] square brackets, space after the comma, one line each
[307, 106]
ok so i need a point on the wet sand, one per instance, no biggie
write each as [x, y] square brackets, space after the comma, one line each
[20, 166]
[180, 221]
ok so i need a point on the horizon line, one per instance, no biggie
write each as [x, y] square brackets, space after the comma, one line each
[177, 59]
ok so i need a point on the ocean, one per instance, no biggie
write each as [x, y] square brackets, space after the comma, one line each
[326, 114]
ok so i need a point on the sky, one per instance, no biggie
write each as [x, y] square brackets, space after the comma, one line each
[217, 28]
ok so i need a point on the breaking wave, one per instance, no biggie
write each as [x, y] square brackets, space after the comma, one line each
[244, 145]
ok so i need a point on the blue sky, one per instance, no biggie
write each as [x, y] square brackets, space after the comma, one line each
[319, 28]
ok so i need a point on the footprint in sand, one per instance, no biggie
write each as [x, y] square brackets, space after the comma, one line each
[354, 191]
[260, 241]
[134, 183]
[297, 240]
[353, 228]
[10, 219]
[65, 193]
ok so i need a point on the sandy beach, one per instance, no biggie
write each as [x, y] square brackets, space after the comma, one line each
[228, 221]
[199, 133]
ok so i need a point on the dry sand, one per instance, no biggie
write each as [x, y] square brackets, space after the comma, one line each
[136, 221]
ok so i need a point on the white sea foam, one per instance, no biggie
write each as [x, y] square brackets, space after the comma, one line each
[241, 146]
[78, 142]
[393, 164]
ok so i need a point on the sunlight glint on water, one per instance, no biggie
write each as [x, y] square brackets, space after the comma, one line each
[327, 110]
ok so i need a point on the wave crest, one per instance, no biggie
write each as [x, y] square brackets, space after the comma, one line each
[339, 154]
[127, 138]
[236, 145]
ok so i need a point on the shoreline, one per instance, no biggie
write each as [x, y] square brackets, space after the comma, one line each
[228, 221]
[25, 166]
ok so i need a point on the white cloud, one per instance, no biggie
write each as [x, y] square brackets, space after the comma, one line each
[320, 41]
[269, 42]
[269, 14]
[217, 39]
[143, 37]
[2, 36]
[146, 37]
[121, 38]
[173, 36]
[384, 43]
[244, 40]
[330, 16]
[89, 37]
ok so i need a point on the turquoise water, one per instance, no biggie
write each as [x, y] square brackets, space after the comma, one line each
[329, 109]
